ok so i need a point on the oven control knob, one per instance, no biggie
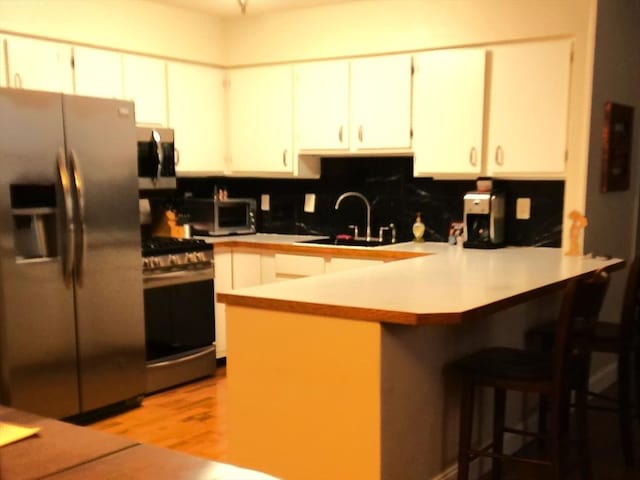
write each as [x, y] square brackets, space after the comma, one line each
[154, 262]
[200, 257]
[191, 257]
[173, 260]
[145, 263]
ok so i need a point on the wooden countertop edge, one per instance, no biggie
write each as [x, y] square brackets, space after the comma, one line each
[390, 316]
[347, 252]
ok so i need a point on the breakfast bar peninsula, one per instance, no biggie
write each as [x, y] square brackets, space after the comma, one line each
[343, 375]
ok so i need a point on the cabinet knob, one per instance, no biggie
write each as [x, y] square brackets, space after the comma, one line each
[17, 80]
[284, 157]
[360, 133]
[340, 133]
[499, 156]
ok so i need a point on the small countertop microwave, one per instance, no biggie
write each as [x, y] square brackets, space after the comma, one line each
[215, 217]
[156, 158]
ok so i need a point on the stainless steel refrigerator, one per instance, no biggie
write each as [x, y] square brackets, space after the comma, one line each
[71, 297]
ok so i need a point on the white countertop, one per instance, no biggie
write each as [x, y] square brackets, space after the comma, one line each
[447, 285]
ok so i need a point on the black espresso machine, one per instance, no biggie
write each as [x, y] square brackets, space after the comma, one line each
[484, 219]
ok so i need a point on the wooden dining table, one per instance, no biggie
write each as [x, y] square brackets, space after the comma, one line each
[63, 451]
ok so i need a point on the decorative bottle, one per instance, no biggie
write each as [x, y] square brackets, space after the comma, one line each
[418, 229]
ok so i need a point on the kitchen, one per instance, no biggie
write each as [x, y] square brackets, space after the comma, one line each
[415, 26]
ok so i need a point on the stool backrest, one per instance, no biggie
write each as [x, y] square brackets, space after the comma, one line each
[582, 299]
[630, 318]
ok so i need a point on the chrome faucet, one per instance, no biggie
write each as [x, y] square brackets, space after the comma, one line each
[367, 204]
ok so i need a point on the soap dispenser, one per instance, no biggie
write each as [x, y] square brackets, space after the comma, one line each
[418, 228]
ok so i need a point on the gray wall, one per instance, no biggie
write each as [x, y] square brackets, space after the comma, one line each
[613, 216]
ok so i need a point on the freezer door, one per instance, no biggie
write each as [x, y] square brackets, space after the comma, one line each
[37, 327]
[102, 153]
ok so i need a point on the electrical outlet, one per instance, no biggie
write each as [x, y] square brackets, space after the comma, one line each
[264, 202]
[523, 208]
[309, 202]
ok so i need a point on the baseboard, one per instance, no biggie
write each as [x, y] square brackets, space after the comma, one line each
[598, 382]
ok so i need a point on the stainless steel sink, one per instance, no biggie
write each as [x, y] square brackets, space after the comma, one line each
[346, 242]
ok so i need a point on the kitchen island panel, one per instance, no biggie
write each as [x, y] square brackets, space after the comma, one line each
[304, 394]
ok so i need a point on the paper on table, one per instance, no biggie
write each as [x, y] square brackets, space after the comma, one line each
[10, 433]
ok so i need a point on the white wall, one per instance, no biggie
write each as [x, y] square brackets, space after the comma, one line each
[128, 25]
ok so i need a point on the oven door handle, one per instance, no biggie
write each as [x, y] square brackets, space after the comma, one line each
[164, 279]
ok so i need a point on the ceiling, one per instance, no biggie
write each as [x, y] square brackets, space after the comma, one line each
[231, 8]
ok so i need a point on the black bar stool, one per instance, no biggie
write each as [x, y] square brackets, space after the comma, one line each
[621, 339]
[546, 374]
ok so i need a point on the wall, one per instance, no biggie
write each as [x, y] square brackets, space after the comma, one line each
[127, 25]
[613, 216]
[378, 26]
[395, 197]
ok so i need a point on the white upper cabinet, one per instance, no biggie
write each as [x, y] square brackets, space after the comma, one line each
[322, 106]
[448, 111]
[528, 108]
[145, 83]
[196, 113]
[261, 120]
[381, 103]
[98, 73]
[3, 63]
[39, 65]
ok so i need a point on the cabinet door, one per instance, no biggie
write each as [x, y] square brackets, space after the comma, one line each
[448, 111]
[381, 103]
[145, 83]
[196, 113]
[528, 108]
[223, 282]
[261, 119]
[98, 73]
[39, 65]
[3, 63]
[322, 106]
[246, 269]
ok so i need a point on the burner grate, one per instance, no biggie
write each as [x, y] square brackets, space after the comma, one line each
[168, 245]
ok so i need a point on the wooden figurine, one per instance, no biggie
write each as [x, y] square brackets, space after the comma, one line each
[578, 222]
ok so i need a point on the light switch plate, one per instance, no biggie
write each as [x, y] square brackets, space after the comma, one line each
[523, 208]
[309, 202]
[264, 202]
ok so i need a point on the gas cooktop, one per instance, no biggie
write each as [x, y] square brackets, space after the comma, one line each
[168, 245]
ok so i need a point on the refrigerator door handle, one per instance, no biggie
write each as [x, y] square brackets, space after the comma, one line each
[81, 234]
[68, 238]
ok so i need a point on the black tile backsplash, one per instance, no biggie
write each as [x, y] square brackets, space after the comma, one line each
[395, 196]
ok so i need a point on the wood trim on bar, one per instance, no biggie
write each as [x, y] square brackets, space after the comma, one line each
[319, 250]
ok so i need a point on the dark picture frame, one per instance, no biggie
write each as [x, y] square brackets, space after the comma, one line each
[617, 135]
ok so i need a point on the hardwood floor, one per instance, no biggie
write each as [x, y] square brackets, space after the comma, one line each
[192, 419]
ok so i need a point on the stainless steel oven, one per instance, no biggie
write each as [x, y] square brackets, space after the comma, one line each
[178, 279]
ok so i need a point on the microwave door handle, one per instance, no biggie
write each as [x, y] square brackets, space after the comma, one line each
[68, 224]
[155, 135]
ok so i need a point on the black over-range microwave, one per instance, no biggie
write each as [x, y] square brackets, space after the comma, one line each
[156, 158]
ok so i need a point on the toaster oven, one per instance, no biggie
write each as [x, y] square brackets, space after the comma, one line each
[215, 217]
